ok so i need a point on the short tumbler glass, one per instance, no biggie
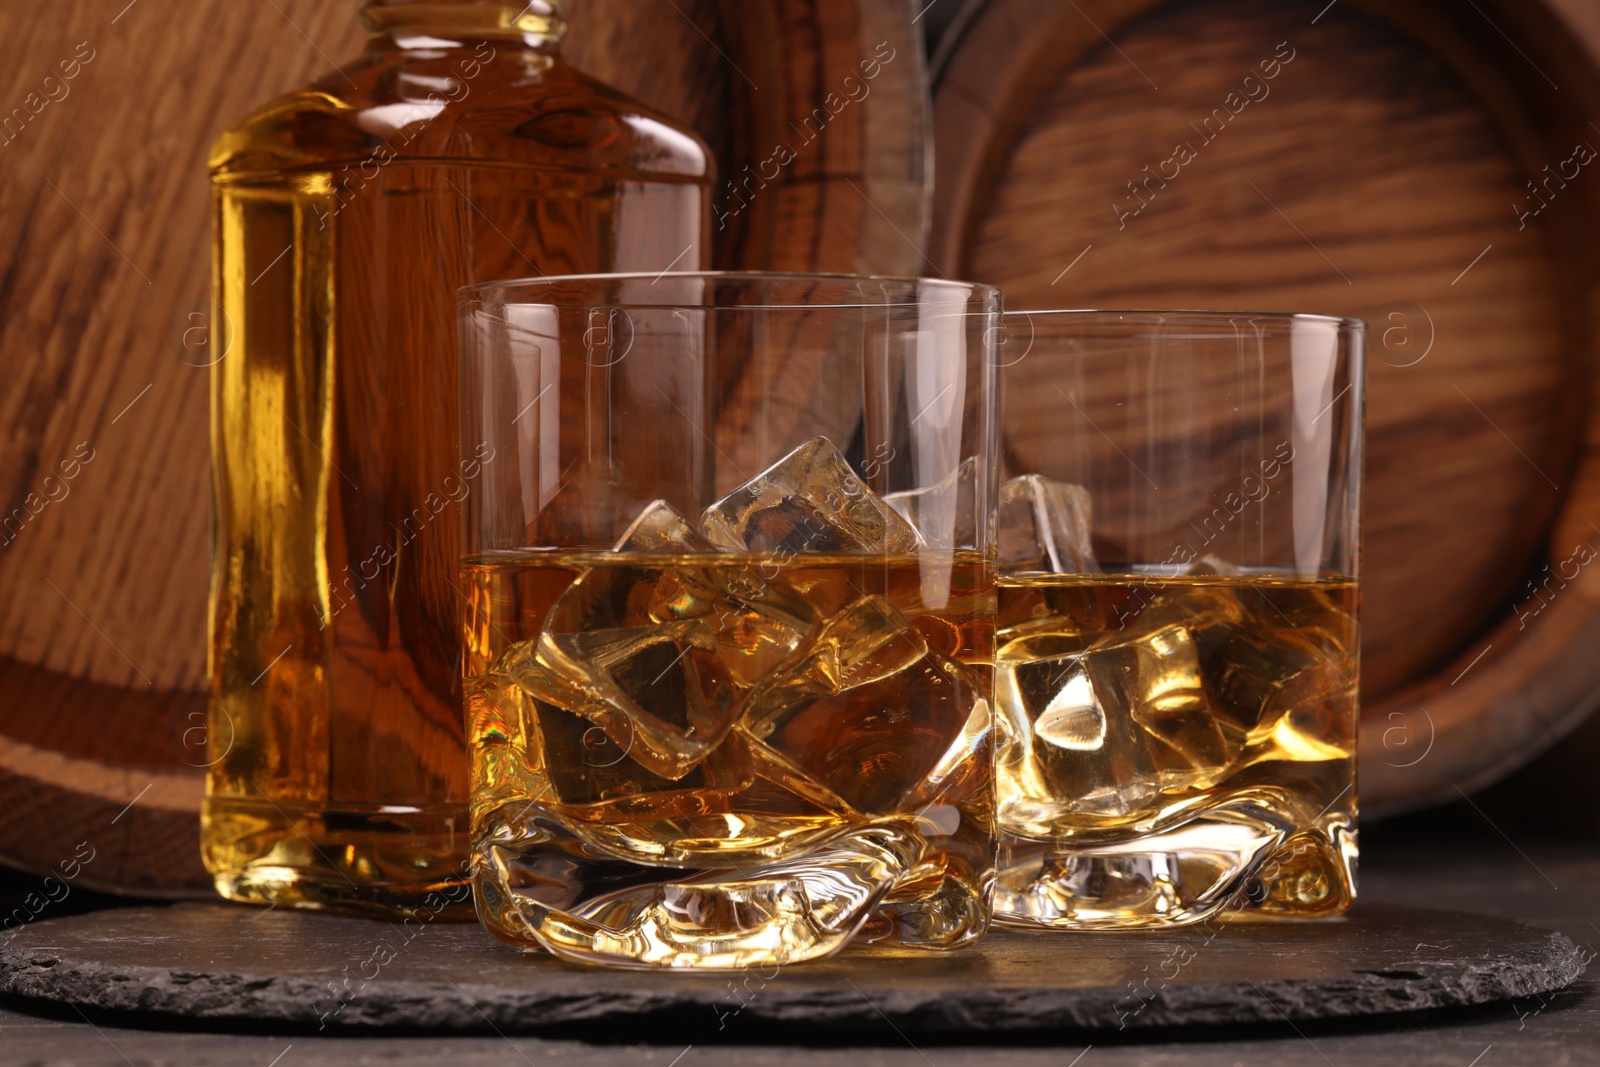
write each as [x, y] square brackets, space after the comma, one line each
[1177, 661]
[728, 565]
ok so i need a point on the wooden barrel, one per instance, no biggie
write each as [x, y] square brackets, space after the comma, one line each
[104, 289]
[1426, 165]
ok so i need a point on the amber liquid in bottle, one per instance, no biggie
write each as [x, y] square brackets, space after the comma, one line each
[460, 148]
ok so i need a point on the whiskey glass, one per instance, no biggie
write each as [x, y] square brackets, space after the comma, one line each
[728, 570]
[1177, 661]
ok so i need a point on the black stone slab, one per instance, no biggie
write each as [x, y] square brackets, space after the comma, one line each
[229, 964]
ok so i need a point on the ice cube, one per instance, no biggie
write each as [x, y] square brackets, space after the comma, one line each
[635, 637]
[590, 776]
[1049, 605]
[652, 591]
[1102, 727]
[1263, 655]
[661, 691]
[1312, 715]
[1190, 746]
[944, 514]
[1068, 747]
[1209, 566]
[755, 619]
[754, 636]
[1044, 525]
[864, 715]
[660, 528]
[520, 663]
[586, 766]
[808, 501]
[1307, 711]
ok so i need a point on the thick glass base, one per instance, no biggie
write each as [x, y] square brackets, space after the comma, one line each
[382, 862]
[1223, 866]
[539, 886]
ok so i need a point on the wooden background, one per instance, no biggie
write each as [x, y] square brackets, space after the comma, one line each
[1375, 177]
[1376, 180]
[104, 287]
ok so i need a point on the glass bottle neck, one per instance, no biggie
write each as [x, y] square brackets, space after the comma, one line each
[436, 24]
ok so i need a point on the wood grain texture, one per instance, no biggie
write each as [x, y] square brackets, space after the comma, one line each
[1374, 178]
[104, 291]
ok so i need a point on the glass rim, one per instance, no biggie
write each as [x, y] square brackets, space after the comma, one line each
[475, 293]
[1178, 316]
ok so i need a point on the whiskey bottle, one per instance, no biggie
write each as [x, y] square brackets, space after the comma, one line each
[458, 148]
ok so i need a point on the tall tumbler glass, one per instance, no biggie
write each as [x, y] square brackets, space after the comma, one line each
[730, 626]
[1177, 662]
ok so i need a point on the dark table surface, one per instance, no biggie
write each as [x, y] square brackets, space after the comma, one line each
[1555, 885]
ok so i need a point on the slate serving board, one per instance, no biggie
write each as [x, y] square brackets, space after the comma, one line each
[231, 965]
